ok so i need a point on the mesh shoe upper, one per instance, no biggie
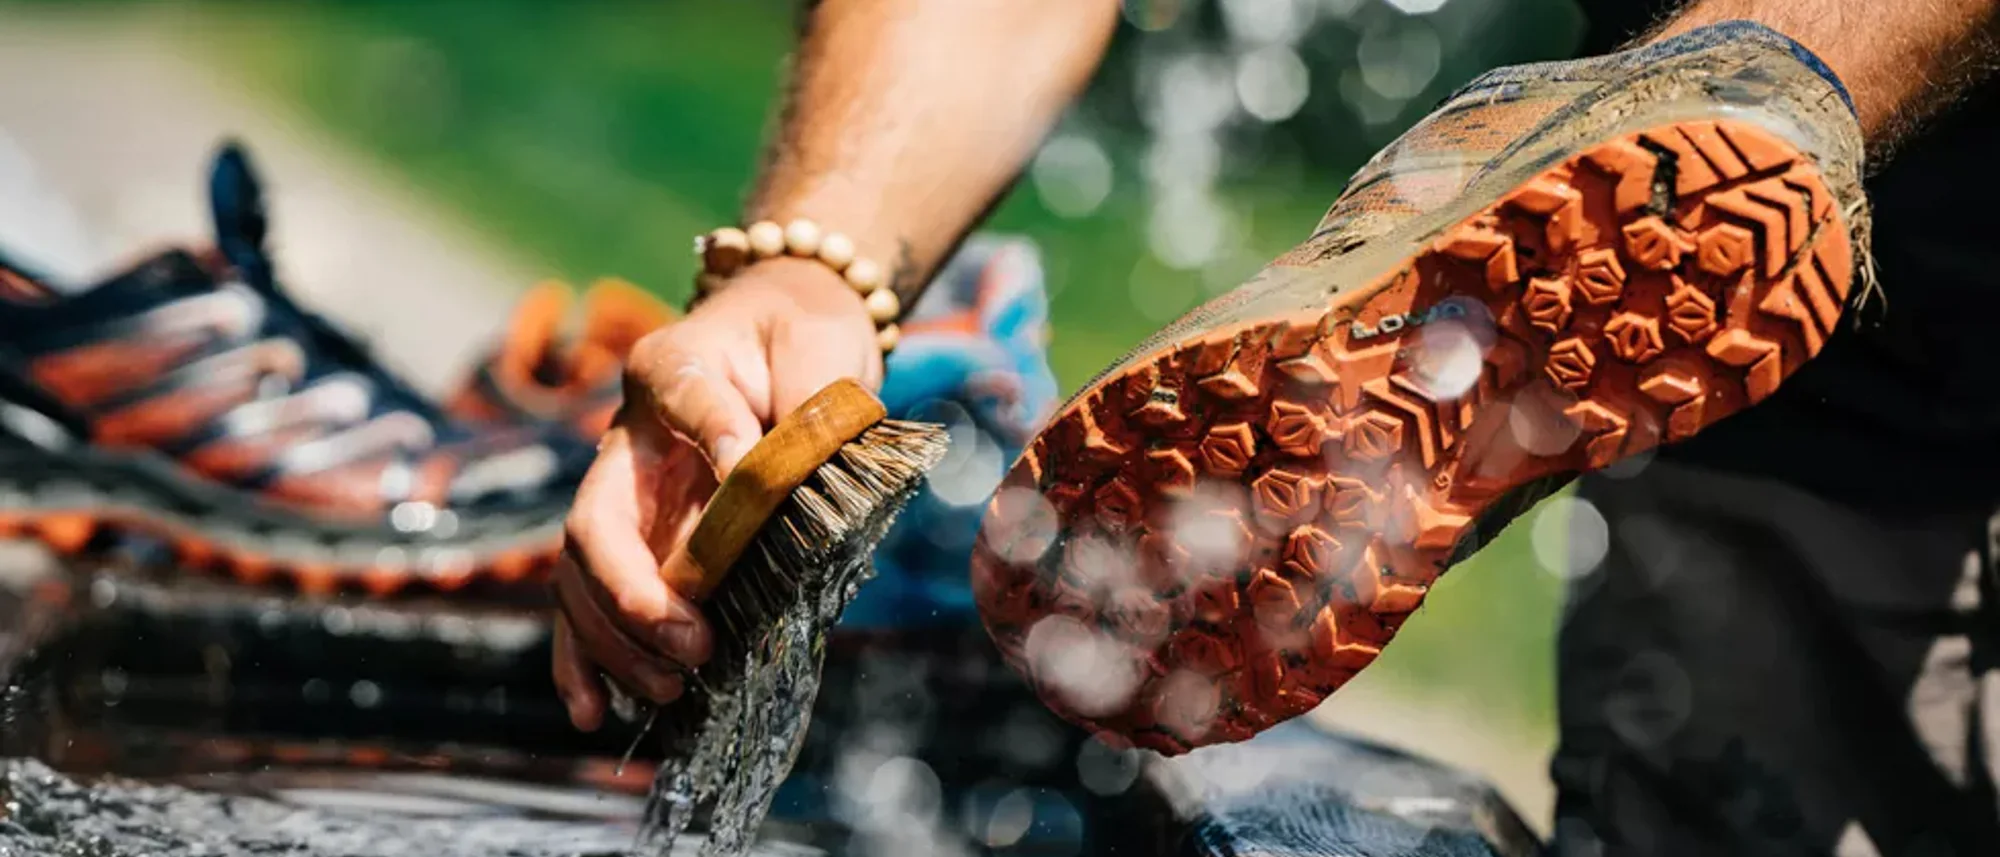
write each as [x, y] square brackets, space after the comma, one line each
[201, 357]
[1476, 129]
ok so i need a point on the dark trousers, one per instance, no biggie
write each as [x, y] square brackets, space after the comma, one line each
[1758, 669]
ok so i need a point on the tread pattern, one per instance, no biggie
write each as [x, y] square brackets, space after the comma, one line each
[1289, 488]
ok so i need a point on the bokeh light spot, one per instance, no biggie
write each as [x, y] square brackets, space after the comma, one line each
[1272, 82]
[1570, 536]
[1072, 175]
[1087, 672]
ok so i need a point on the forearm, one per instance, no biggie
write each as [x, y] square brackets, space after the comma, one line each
[906, 118]
[1901, 59]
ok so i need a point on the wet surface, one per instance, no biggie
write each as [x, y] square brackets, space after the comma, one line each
[352, 729]
[49, 814]
[202, 720]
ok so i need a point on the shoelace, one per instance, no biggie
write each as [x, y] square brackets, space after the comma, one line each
[237, 208]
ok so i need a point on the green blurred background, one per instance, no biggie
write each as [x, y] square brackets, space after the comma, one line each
[596, 137]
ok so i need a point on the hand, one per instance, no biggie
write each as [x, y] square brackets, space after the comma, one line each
[698, 395]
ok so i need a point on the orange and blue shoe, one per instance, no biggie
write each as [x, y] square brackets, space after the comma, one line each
[1566, 264]
[190, 403]
[540, 371]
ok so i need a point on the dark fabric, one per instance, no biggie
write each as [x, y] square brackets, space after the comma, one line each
[1748, 669]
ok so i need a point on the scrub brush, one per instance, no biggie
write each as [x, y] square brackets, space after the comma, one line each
[781, 549]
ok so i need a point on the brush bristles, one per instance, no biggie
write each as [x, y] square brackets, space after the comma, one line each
[850, 499]
[734, 740]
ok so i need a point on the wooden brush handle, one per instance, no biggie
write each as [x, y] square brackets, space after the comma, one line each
[769, 472]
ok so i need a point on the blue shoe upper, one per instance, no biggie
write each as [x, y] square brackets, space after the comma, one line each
[975, 359]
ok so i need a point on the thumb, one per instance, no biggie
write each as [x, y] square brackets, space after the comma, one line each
[695, 401]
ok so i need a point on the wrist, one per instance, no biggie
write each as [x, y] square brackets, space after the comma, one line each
[729, 251]
[874, 236]
[805, 280]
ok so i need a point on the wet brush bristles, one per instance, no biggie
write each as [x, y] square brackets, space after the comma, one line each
[783, 547]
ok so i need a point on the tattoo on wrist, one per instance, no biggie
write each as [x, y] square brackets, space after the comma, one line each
[908, 282]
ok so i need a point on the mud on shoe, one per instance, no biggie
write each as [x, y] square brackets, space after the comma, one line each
[1566, 264]
[189, 404]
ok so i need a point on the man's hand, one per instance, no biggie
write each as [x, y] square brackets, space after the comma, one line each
[698, 395]
[904, 120]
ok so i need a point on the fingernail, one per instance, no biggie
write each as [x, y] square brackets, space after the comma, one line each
[682, 639]
[659, 685]
[578, 717]
[727, 450]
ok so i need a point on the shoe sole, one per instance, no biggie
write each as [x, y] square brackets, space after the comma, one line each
[1217, 534]
[77, 507]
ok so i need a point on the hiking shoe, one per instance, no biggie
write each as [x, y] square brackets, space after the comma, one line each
[536, 374]
[1566, 264]
[188, 403]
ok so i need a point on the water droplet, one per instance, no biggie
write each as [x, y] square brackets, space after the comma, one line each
[1087, 672]
[1100, 566]
[1191, 93]
[1106, 770]
[902, 792]
[338, 621]
[1010, 819]
[1072, 175]
[1570, 537]
[1398, 62]
[1021, 525]
[1538, 428]
[1188, 228]
[1273, 83]
[1448, 359]
[1266, 21]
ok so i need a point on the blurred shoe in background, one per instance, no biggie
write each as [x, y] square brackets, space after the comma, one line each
[540, 372]
[190, 404]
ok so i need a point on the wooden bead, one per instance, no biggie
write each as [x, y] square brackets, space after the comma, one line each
[724, 251]
[864, 275]
[802, 238]
[887, 338]
[836, 250]
[767, 239]
[706, 283]
[883, 305]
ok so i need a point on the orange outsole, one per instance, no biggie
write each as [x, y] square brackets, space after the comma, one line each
[1219, 534]
[71, 533]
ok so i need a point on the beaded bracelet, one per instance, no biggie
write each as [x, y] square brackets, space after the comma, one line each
[728, 250]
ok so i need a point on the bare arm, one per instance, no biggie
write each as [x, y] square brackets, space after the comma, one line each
[1902, 60]
[906, 118]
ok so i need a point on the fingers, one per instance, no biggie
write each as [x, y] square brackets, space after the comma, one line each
[607, 543]
[583, 694]
[817, 350]
[599, 640]
[691, 396]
